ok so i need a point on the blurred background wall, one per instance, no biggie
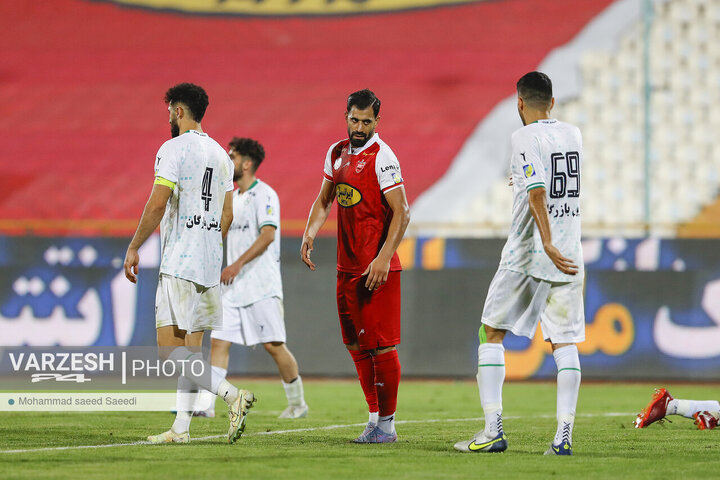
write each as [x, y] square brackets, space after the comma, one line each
[81, 83]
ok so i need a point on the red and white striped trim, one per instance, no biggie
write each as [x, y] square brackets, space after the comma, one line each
[393, 187]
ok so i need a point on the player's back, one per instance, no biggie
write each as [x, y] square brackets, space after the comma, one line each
[547, 154]
[190, 230]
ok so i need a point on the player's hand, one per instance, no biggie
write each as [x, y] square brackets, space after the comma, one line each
[563, 264]
[131, 264]
[510, 182]
[305, 251]
[377, 273]
[229, 273]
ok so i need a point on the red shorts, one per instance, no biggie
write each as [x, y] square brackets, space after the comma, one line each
[372, 319]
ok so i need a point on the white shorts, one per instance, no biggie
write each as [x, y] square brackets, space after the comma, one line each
[516, 302]
[260, 322]
[190, 306]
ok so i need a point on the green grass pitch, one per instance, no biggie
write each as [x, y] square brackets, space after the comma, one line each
[432, 416]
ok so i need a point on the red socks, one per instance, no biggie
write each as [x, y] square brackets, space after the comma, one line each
[387, 379]
[366, 374]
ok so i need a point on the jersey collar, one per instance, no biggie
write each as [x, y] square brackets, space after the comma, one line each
[369, 143]
[257, 180]
[195, 131]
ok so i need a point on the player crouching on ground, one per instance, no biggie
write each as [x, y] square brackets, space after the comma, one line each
[252, 300]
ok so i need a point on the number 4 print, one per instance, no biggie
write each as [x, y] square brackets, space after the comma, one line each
[565, 175]
[206, 194]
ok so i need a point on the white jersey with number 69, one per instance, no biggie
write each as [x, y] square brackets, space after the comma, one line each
[546, 154]
[199, 171]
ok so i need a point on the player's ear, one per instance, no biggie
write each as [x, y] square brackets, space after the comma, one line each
[552, 103]
[521, 104]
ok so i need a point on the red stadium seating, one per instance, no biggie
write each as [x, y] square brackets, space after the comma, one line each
[81, 85]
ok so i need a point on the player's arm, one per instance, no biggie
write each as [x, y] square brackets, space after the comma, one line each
[538, 209]
[318, 214]
[379, 268]
[151, 217]
[266, 237]
[227, 214]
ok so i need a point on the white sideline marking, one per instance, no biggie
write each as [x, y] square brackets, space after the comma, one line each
[311, 429]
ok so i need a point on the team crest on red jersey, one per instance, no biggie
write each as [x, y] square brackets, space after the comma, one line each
[360, 165]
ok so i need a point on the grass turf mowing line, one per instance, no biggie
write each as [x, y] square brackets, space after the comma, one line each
[309, 429]
[604, 446]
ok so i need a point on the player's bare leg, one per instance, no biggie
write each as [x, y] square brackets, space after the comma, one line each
[291, 380]
[490, 378]
[568, 385]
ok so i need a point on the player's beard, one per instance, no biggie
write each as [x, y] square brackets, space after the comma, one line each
[356, 141]
[174, 129]
[237, 175]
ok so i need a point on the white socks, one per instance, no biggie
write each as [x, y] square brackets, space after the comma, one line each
[687, 408]
[490, 378]
[373, 418]
[188, 361]
[294, 392]
[568, 385]
[227, 391]
[218, 375]
[206, 399]
[387, 423]
[185, 398]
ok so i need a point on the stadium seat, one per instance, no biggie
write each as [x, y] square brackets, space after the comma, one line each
[683, 59]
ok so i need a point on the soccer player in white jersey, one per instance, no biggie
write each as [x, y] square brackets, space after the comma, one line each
[191, 200]
[540, 277]
[252, 301]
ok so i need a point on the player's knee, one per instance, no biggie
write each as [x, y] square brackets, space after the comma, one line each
[381, 350]
[220, 346]
[274, 348]
[489, 334]
[555, 346]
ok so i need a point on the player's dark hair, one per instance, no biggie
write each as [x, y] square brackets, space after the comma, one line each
[363, 99]
[535, 88]
[250, 148]
[193, 96]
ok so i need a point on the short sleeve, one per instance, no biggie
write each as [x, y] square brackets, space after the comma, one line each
[167, 165]
[267, 208]
[327, 170]
[527, 161]
[387, 169]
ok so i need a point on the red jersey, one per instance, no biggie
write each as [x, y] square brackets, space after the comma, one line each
[361, 177]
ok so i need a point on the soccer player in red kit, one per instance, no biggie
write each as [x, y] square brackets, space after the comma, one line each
[364, 175]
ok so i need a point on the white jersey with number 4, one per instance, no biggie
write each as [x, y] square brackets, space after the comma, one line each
[547, 154]
[200, 172]
[259, 279]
